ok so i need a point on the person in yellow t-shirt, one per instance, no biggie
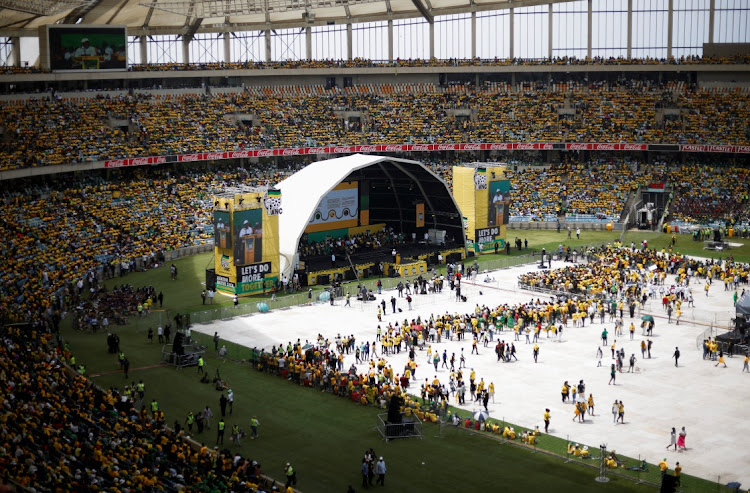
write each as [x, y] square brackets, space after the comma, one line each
[663, 466]
[721, 360]
[546, 420]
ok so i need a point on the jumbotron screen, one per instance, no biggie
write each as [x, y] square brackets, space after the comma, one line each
[90, 48]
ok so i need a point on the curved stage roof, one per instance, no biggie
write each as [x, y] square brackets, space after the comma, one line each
[394, 187]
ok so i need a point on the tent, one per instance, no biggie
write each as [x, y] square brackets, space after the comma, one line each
[389, 187]
[743, 305]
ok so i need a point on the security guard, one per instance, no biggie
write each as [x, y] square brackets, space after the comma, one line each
[220, 431]
[291, 475]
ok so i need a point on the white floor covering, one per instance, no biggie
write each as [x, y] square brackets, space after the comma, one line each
[711, 403]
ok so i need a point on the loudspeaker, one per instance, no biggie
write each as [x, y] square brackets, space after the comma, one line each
[668, 484]
[177, 346]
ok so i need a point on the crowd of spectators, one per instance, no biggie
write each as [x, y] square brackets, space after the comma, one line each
[618, 271]
[70, 228]
[350, 245]
[704, 194]
[54, 130]
[62, 433]
[434, 62]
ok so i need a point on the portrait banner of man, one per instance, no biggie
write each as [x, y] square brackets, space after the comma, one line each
[499, 203]
[248, 236]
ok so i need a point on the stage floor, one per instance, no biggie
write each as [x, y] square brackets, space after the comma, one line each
[710, 402]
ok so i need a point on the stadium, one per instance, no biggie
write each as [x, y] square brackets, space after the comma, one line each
[319, 204]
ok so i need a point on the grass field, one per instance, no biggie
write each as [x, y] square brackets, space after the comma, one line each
[323, 436]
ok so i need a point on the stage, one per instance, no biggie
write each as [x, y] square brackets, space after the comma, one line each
[656, 397]
[412, 259]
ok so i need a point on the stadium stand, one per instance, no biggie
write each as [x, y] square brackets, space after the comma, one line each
[55, 130]
[62, 433]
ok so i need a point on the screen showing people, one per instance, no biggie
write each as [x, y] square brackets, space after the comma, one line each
[87, 48]
[499, 203]
[222, 231]
[248, 236]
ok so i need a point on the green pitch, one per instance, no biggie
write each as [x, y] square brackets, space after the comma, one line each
[325, 436]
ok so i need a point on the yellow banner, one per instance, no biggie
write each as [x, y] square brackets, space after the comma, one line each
[420, 215]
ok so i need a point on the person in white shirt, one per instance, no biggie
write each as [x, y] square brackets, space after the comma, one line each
[246, 229]
[85, 50]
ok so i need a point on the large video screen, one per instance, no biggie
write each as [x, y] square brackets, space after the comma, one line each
[499, 203]
[92, 48]
[248, 236]
[338, 209]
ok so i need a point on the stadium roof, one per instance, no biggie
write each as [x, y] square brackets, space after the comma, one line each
[389, 179]
[143, 17]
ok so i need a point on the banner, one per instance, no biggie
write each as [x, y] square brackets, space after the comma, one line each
[480, 179]
[500, 146]
[224, 284]
[222, 229]
[252, 278]
[248, 236]
[338, 209]
[498, 204]
[486, 235]
[272, 202]
[420, 215]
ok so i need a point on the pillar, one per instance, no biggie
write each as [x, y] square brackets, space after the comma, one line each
[549, 34]
[15, 51]
[390, 40]
[268, 45]
[432, 40]
[143, 46]
[711, 12]
[630, 30]
[308, 42]
[186, 49]
[511, 35]
[473, 35]
[227, 50]
[670, 28]
[349, 42]
[589, 33]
